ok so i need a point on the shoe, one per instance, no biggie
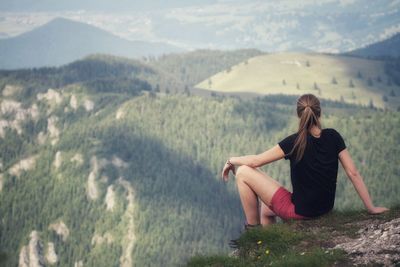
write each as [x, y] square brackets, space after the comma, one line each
[234, 243]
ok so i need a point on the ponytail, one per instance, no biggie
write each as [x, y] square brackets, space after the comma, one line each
[309, 111]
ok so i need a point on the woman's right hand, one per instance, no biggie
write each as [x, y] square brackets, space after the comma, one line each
[226, 169]
[377, 210]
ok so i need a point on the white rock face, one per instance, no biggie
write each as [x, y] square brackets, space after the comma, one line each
[120, 114]
[10, 90]
[130, 238]
[61, 229]
[23, 165]
[1, 181]
[78, 264]
[73, 102]
[118, 162]
[51, 255]
[9, 106]
[78, 158]
[23, 257]
[3, 124]
[57, 160]
[54, 132]
[110, 198]
[107, 238]
[51, 96]
[92, 190]
[32, 255]
[88, 104]
[41, 138]
[378, 243]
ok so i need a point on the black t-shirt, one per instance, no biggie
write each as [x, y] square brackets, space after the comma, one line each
[314, 176]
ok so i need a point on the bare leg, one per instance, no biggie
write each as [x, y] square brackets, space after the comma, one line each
[267, 216]
[251, 183]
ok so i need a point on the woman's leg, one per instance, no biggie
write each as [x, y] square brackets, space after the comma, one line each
[251, 183]
[267, 216]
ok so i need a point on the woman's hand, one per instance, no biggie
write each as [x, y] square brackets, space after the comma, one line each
[377, 210]
[225, 172]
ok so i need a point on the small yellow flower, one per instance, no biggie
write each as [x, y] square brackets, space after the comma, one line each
[267, 252]
[259, 242]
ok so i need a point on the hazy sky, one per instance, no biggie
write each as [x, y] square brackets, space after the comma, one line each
[270, 25]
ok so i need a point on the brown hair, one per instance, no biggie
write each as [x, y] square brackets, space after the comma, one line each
[309, 112]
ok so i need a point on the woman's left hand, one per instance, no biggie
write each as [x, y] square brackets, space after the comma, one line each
[225, 171]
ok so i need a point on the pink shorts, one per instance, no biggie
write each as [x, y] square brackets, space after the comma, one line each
[282, 206]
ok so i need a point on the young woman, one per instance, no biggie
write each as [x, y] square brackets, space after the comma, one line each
[313, 153]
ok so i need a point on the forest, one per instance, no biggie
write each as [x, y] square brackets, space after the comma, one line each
[158, 156]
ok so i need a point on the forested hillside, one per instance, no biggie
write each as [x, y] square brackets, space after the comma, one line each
[99, 173]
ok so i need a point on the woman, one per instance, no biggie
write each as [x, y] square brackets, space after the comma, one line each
[313, 153]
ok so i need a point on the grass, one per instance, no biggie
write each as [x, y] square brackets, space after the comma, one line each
[298, 243]
[357, 80]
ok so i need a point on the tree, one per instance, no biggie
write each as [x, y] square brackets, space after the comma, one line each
[341, 98]
[209, 83]
[385, 98]
[297, 86]
[283, 82]
[308, 63]
[392, 93]
[316, 86]
[359, 75]
[334, 81]
[378, 79]
[371, 103]
[353, 96]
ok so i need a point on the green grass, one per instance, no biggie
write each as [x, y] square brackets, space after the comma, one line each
[297, 243]
[289, 73]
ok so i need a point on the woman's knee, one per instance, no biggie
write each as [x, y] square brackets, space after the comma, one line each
[241, 171]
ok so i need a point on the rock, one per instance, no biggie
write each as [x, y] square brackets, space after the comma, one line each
[88, 104]
[23, 165]
[57, 160]
[32, 254]
[9, 106]
[120, 114]
[51, 96]
[61, 229]
[1, 181]
[110, 198]
[118, 162]
[78, 264]
[107, 238]
[10, 90]
[379, 243]
[78, 158]
[73, 102]
[51, 255]
[54, 132]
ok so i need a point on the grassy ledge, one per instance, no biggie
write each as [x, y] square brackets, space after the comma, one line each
[298, 243]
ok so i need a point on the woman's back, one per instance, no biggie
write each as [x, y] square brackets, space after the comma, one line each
[314, 176]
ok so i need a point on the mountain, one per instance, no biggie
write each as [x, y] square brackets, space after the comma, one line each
[99, 168]
[61, 41]
[341, 78]
[386, 48]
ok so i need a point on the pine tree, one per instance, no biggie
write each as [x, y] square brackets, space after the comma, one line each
[334, 81]
[351, 84]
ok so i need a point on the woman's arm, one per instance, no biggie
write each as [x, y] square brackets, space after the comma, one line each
[358, 182]
[255, 161]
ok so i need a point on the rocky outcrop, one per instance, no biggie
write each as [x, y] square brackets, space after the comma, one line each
[378, 243]
[73, 102]
[52, 96]
[57, 160]
[32, 254]
[77, 158]
[109, 199]
[51, 255]
[88, 104]
[10, 90]
[52, 129]
[61, 229]
[129, 240]
[23, 165]
[107, 238]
